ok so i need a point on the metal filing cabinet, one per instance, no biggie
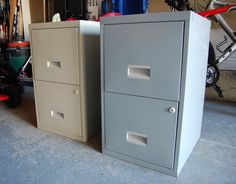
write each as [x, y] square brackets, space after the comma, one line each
[66, 68]
[153, 83]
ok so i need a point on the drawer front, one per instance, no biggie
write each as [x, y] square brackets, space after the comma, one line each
[55, 55]
[141, 128]
[144, 59]
[58, 107]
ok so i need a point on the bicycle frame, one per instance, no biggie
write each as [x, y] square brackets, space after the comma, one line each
[214, 10]
[22, 70]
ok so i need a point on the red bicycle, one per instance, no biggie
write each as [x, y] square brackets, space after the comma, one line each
[214, 11]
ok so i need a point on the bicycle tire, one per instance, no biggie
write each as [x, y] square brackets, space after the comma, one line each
[9, 73]
[15, 97]
[213, 75]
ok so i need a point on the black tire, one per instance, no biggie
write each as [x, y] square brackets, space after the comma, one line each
[14, 95]
[20, 87]
[8, 72]
[213, 75]
[211, 55]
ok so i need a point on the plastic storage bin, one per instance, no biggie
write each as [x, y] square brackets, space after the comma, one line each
[17, 54]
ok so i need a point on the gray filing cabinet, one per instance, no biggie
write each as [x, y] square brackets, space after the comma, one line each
[66, 68]
[153, 83]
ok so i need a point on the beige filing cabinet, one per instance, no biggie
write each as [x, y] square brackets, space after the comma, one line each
[66, 72]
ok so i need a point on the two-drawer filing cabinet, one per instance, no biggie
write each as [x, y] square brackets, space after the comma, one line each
[153, 70]
[66, 70]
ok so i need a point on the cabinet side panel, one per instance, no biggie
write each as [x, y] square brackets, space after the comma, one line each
[197, 33]
[102, 76]
[90, 72]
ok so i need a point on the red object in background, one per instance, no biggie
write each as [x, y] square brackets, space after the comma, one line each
[218, 10]
[4, 97]
[19, 44]
[113, 14]
[71, 19]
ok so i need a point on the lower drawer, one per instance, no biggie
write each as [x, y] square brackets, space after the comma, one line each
[58, 108]
[141, 128]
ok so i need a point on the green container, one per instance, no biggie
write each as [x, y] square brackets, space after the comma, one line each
[17, 62]
[17, 56]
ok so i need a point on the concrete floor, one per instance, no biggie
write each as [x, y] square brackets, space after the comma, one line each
[32, 156]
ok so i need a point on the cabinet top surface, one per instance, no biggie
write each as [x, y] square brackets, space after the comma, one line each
[62, 24]
[152, 17]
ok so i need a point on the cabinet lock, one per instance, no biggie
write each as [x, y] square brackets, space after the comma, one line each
[76, 91]
[172, 110]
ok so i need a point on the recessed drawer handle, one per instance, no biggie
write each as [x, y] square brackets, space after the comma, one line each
[53, 64]
[58, 115]
[139, 72]
[136, 138]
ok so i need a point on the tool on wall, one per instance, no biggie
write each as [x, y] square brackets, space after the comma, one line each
[4, 24]
[17, 28]
[94, 9]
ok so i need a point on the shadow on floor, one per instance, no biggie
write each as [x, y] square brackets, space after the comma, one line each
[221, 107]
[95, 143]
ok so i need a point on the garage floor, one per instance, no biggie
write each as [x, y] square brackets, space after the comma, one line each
[32, 156]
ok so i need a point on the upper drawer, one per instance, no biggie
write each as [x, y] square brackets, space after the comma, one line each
[55, 55]
[144, 59]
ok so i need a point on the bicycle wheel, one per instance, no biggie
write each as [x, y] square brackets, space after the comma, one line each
[212, 76]
[15, 97]
[211, 55]
[7, 73]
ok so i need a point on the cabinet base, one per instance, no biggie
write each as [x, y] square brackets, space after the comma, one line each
[65, 134]
[140, 163]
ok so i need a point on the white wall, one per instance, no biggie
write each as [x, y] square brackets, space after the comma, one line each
[157, 6]
[33, 12]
